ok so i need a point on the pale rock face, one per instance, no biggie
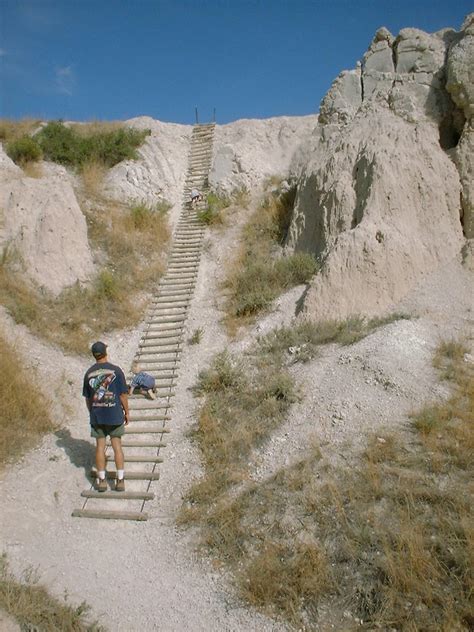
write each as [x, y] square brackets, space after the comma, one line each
[43, 224]
[378, 197]
[377, 64]
[380, 221]
[7, 166]
[248, 151]
[160, 172]
[343, 100]
[460, 85]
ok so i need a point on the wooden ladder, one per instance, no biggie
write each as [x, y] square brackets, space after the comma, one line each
[159, 353]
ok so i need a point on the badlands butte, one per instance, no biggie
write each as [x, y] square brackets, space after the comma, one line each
[382, 196]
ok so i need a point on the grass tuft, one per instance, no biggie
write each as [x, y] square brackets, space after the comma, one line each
[34, 608]
[196, 336]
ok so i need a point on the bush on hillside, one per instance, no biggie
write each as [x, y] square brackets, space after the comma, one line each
[24, 150]
[68, 147]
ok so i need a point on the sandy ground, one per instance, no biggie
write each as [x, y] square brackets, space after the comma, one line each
[149, 576]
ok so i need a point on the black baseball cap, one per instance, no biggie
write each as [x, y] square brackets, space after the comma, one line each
[99, 350]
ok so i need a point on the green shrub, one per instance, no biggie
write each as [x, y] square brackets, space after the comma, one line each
[212, 214]
[67, 146]
[296, 269]
[24, 150]
[260, 280]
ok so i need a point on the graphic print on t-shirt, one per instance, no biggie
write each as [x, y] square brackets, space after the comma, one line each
[99, 381]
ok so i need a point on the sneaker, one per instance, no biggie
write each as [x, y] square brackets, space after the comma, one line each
[101, 485]
[150, 394]
[120, 485]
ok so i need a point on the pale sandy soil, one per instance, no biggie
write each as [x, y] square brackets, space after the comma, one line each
[149, 576]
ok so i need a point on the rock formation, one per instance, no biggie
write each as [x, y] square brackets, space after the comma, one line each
[43, 226]
[460, 85]
[248, 151]
[160, 172]
[378, 189]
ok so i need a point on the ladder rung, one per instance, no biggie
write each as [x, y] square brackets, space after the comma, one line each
[92, 493]
[147, 430]
[110, 515]
[138, 459]
[143, 444]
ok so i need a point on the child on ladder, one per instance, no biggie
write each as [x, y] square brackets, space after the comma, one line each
[142, 381]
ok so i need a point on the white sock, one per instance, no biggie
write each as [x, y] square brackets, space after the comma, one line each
[120, 474]
[101, 475]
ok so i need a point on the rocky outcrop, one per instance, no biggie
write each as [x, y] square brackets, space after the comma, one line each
[44, 230]
[460, 85]
[378, 193]
[247, 152]
[159, 173]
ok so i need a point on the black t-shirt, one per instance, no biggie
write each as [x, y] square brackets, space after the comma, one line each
[103, 384]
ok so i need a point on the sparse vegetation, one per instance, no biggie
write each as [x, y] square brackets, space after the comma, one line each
[260, 273]
[212, 214]
[13, 129]
[132, 244]
[34, 608]
[243, 403]
[388, 539]
[304, 338]
[241, 197]
[447, 355]
[25, 415]
[196, 336]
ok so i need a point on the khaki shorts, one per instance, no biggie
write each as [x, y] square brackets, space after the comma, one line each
[102, 430]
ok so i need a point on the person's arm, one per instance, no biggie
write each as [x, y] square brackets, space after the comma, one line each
[124, 402]
[86, 394]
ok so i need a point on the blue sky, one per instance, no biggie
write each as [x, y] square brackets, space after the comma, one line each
[115, 59]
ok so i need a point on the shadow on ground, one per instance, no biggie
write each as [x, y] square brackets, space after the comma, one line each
[79, 452]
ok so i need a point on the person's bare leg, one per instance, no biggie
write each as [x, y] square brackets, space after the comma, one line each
[100, 454]
[118, 452]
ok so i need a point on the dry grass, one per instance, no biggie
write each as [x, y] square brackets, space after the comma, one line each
[92, 128]
[33, 170]
[390, 540]
[93, 174]
[300, 342]
[25, 412]
[11, 129]
[132, 254]
[34, 608]
[244, 402]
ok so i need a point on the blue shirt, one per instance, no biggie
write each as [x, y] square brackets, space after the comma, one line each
[143, 380]
[103, 384]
